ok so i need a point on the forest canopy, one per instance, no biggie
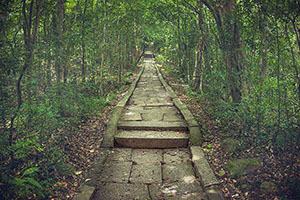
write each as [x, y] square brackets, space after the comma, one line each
[63, 61]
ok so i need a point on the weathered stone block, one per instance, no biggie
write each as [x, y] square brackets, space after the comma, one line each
[230, 145]
[239, 167]
[117, 191]
[178, 172]
[85, 193]
[196, 137]
[202, 167]
[214, 193]
[147, 173]
[115, 171]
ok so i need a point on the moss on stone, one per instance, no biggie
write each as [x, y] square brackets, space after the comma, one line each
[230, 145]
[239, 167]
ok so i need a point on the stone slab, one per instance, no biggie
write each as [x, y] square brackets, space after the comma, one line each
[178, 172]
[196, 137]
[214, 193]
[147, 173]
[175, 156]
[170, 110]
[152, 116]
[178, 190]
[168, 117]
[131, 116]
[117, 191]
[179, 104]
[151, 139]
[133, 108]
[119, 154]
[148, 125]
[108, 137]
[202, 167]
[116, 171]
[140, 156]
[136, 134]
[187, 114]
[86, 193]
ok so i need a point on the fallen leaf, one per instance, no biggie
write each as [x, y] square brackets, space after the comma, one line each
[78, 172]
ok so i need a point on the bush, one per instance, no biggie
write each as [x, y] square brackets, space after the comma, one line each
[34, 162]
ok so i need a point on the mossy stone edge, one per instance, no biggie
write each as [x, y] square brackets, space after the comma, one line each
[108, 137]
[206, 175]
[196, 137]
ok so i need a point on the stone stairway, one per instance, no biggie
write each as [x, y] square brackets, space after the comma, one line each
[150, 148]
[150, 119]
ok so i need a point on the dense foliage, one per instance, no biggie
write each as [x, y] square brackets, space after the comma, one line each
[243, 57]
[61, 61]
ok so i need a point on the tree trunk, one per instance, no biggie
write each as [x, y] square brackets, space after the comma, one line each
[226, 20]
[83, 70]
[179, 56]
[59, 43]
[263, 47]
[30, 35]
[198, 54]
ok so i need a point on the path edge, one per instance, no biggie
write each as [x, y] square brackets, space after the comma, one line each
[196, 137]
[108, 136]
[203, 170]
[88, 188]
[207, 177]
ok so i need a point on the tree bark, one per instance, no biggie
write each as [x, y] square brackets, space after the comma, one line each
[83, 70]
[59, 43]
[225, 16]
[179, 60]
[199, 49]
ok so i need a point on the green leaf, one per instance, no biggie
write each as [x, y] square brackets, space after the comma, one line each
[33, 182]
[30, 171]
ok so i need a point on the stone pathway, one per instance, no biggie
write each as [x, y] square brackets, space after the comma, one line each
[150, 119]
[148, 174]
[150, 158]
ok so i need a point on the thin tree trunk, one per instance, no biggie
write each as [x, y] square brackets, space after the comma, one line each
[58, 30]
[263, 47]
[179, 38]
[274, 139]
[83, 70]
[103, 48]
[29, 41]
[297, 77]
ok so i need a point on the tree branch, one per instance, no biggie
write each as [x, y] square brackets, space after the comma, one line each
[36, 24]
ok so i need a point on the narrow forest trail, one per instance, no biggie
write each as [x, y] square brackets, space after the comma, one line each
[149, 152]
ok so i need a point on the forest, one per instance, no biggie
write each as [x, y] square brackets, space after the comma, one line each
[65, 64]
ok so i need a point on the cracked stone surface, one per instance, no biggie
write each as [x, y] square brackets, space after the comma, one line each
[147, 173]
[174, 156]
[179, 190]
[120, 154]
[116, 171]
[147, 156]
[178, 172]
[117, 191]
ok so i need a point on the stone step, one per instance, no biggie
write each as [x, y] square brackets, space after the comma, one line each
[153, 125]
[151, 139]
